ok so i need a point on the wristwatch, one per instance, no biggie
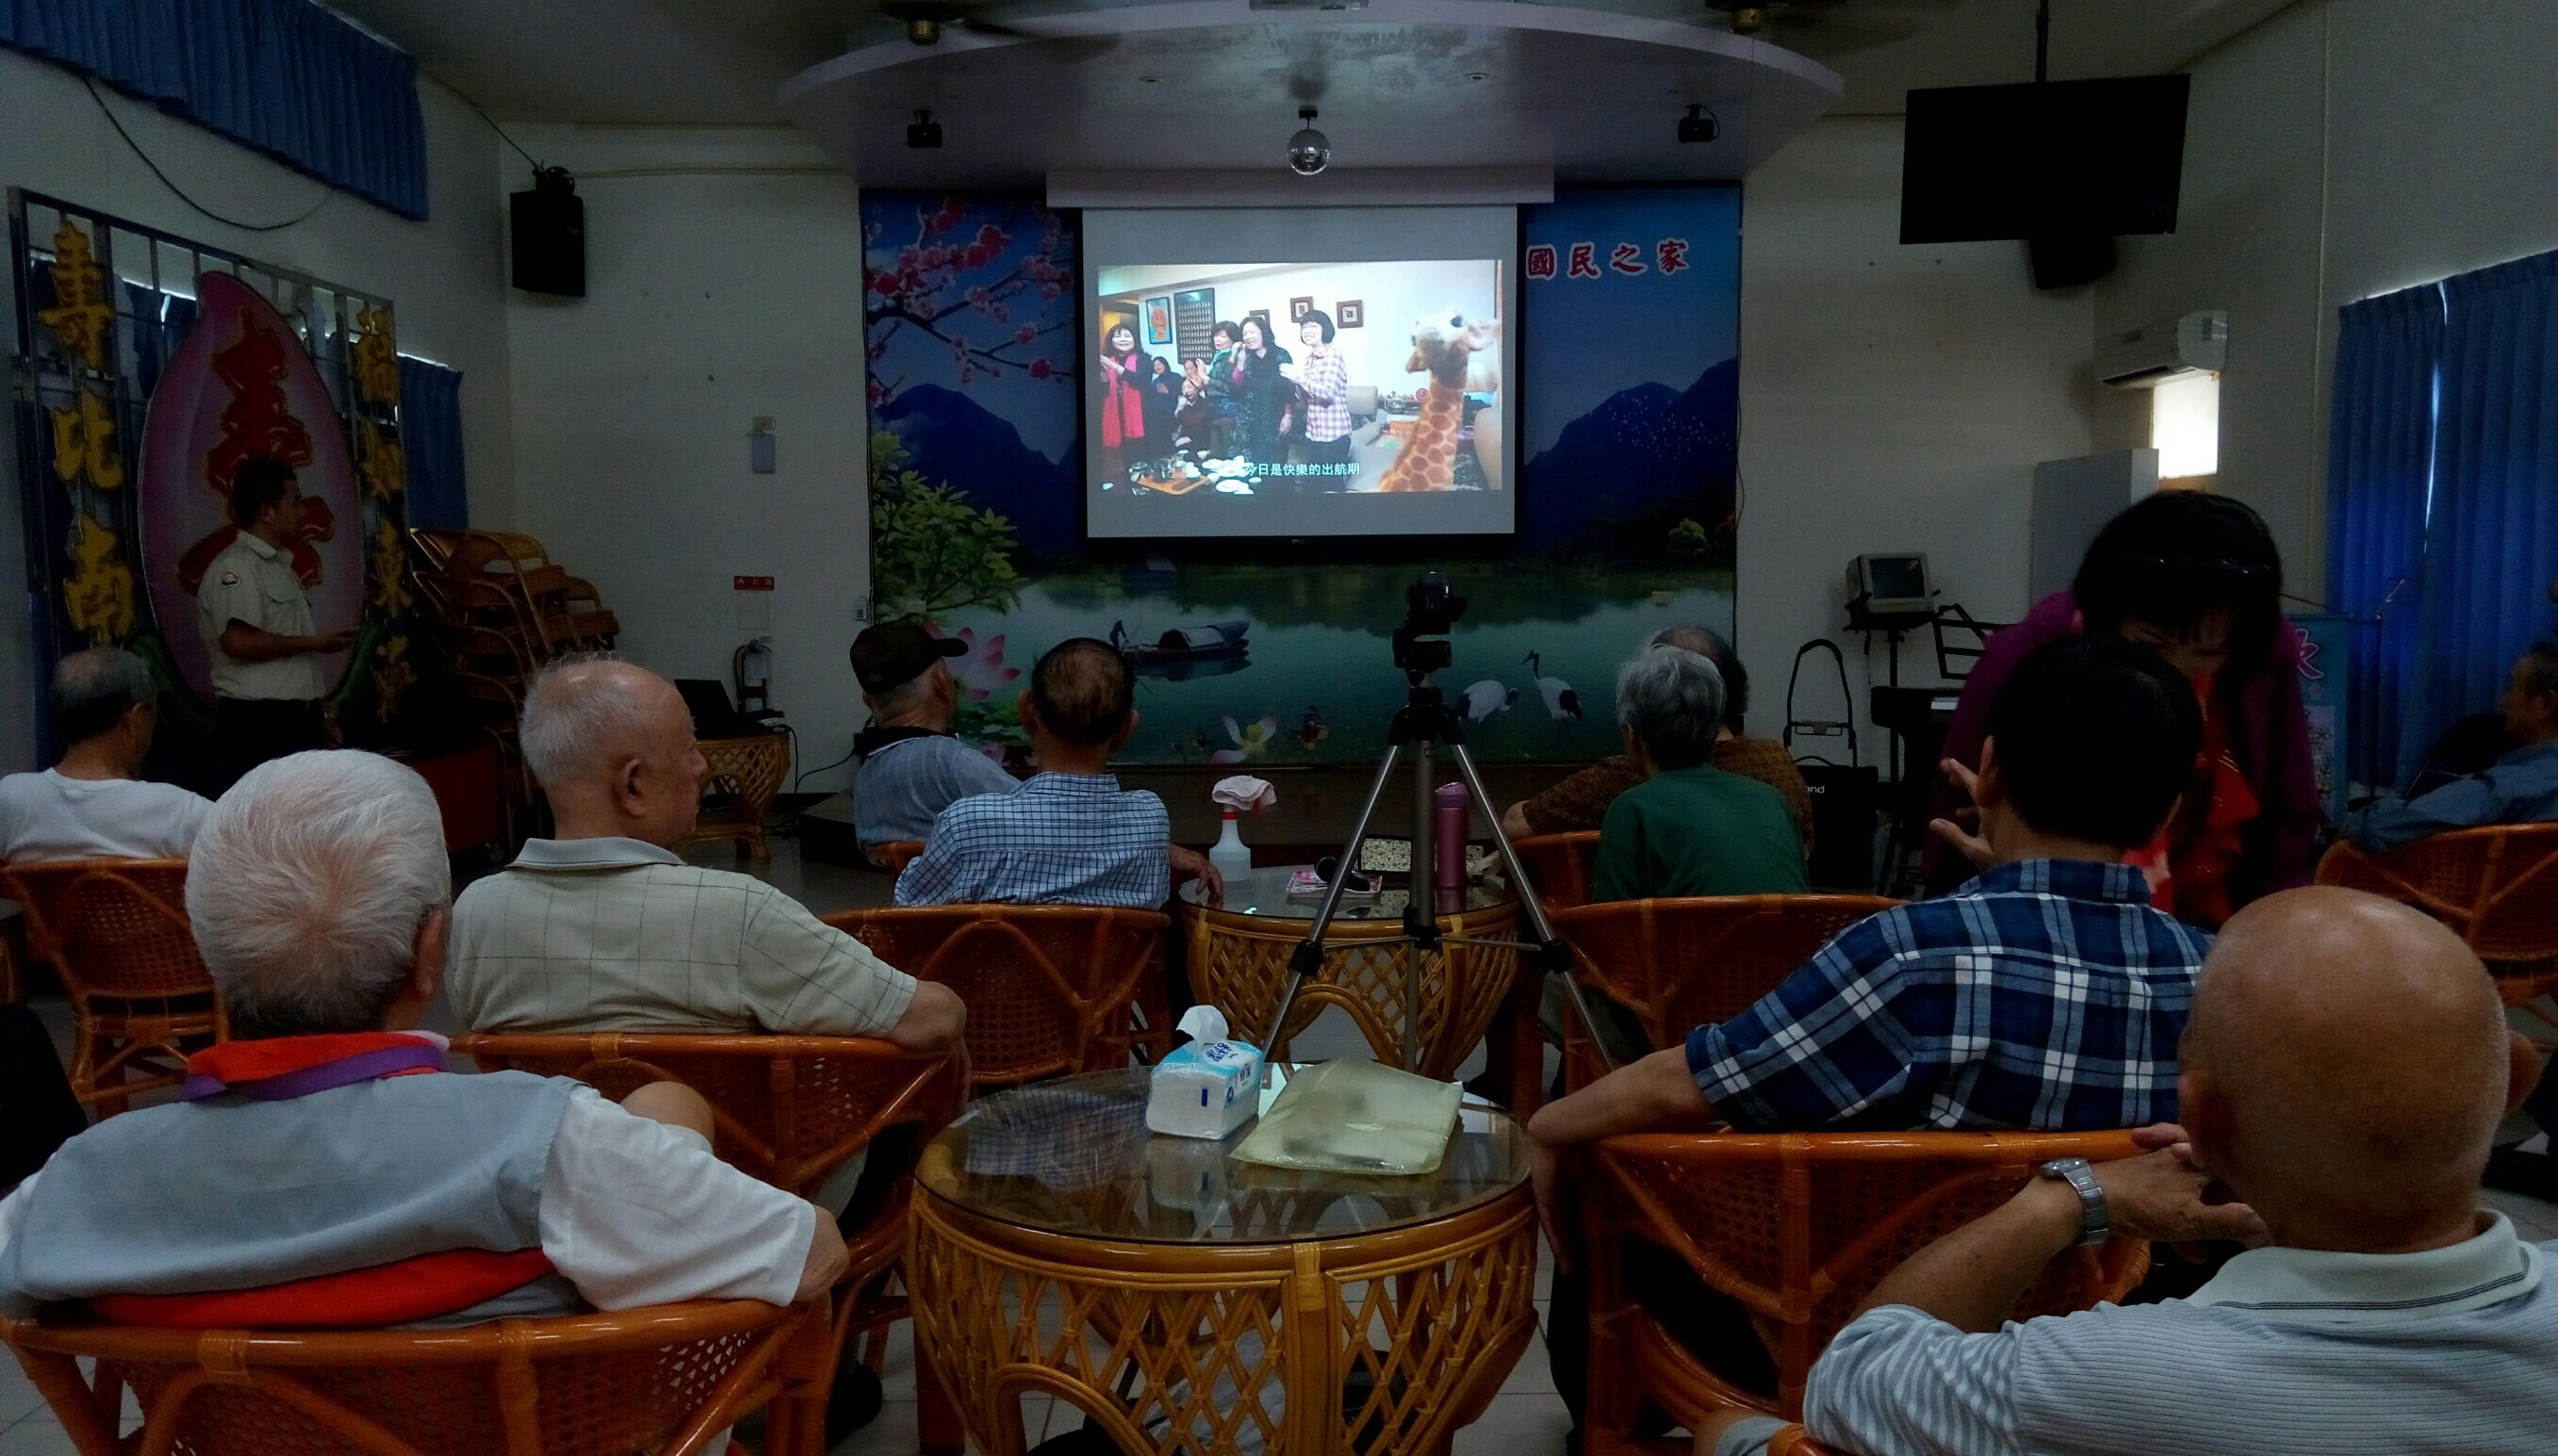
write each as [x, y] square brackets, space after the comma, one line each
[2096, 1225]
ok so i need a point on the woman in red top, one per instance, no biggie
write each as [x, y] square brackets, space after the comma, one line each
[2196, 577]
[1124, 370]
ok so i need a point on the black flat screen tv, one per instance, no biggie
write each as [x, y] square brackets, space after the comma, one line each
[2042, 160]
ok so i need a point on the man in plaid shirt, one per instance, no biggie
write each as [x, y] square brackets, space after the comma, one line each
[1070, 836]
[2046, 994]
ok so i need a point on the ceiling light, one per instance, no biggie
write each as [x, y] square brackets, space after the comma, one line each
[1309, 151]
[1479, 75]
[1699, 125]
[923, 133]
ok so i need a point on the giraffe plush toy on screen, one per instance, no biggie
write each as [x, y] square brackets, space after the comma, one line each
[1458, 356]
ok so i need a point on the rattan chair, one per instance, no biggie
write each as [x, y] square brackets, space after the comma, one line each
[1799, 1228]
[115, 931]
[746, 777]
[1678, 964]
[659, 1381]
[789, 1111]
[1049, 988]
[1559, 865]
[893, 856]
[2496, 888]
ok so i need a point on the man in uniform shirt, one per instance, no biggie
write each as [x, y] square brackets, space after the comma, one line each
[268, 689]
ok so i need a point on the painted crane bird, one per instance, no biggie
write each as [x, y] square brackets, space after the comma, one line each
[1486, 698]
[1561, 701]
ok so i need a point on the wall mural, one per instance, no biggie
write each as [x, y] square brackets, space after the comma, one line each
[1629, 373]
[157, 366]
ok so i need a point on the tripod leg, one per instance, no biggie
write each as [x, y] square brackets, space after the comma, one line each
[1307, 958]
[1553, 954]
[1421, 909]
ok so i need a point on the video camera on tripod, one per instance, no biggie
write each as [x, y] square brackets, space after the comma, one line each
[1421, 647]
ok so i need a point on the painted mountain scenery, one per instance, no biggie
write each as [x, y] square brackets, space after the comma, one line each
[1628, 394]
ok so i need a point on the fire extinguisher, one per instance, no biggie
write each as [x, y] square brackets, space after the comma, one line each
[753, 669]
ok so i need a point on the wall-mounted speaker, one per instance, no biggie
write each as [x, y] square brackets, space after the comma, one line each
[548, 231]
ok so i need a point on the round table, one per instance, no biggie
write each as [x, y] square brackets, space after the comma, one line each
[1184, 1300]
[1239, 954]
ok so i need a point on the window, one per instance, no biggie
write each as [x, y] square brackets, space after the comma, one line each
[2184, 425]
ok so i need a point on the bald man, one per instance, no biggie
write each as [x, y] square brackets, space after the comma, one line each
[604, 928]
[2344, 1069]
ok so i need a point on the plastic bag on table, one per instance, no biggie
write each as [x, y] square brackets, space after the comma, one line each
[1349, 1116]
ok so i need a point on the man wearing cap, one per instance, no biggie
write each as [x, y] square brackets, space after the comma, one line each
[911, 767]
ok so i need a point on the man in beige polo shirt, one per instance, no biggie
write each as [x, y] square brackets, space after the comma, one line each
[604, 928]
[269, 688]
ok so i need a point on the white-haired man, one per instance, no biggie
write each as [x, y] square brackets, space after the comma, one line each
[325, 1170]
[95, 803]
[604, 928]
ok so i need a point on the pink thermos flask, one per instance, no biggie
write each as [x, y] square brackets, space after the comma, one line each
[1448, 837]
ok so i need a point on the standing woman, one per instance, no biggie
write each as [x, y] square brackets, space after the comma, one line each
[1257, 382]
[1123, 401]
[1221, 385]
[1326, 378]
[2195, 577]
[1162, 403]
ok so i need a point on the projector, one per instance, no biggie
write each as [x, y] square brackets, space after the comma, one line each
[923, 133]
[1699, 125]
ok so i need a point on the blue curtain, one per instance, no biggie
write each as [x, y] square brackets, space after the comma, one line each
[431, 440]
[2492, 546]
[284, 77]
[2379, 466]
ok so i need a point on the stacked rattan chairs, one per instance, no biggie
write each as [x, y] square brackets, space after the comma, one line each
[115, 932]
[793, 1111]
[663, 1380]
[1559, 866]
[1049, 988]
[1797, 1229]
[1678, 964]
[2496, 888]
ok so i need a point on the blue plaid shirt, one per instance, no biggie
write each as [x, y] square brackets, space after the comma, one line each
[2045, 994]
[1057, 839]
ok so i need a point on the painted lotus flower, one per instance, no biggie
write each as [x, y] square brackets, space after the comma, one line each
[980, 671]
[1251, 741]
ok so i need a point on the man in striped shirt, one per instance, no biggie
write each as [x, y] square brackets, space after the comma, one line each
[2345, 1067]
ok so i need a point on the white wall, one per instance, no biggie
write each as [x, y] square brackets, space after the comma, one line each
[2335, 152]
[1892, 399]
[445, 276]
[723, 283]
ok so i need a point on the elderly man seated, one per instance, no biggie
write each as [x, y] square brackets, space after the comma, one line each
[604, 928]
[911, 767]
[325, 1170]
[95, 803]
[2346, 1064]
[1689, 829]
[1581, 801]
[2047, 994]
[2520, 787]
[1070, 836]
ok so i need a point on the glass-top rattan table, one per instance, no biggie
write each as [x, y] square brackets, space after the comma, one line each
[1184, 1300]
[1239, 949]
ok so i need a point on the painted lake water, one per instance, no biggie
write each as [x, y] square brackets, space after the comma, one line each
[1311, 688]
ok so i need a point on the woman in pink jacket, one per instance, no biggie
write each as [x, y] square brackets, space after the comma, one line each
[2196, 577]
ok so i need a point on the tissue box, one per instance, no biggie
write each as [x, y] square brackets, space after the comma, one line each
[1204, 1090]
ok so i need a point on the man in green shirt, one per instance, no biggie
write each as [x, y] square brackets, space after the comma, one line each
[1689, 829]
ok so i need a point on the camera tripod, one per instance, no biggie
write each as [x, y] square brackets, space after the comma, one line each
[1423, 723]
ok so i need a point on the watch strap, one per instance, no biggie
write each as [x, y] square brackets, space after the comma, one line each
[2095, 1221]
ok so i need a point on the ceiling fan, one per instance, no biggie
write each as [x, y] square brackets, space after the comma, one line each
[924, 19]
[1832, 27]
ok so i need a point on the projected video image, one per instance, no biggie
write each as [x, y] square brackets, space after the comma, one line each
[1255, 381]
